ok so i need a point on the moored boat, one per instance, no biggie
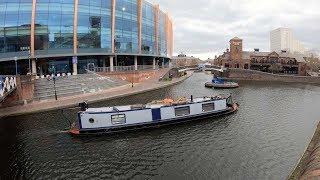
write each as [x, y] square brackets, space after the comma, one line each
[221, 83]
[95, 121]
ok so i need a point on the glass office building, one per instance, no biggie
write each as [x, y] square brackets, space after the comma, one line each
[47, 36]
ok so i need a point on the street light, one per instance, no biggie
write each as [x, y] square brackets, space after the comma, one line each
[29, 56]
[54, 87]
[16, 63]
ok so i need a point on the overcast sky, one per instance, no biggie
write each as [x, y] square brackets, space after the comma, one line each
[203, 27]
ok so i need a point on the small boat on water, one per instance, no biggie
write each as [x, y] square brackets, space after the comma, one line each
[220, 83]
[95, 121]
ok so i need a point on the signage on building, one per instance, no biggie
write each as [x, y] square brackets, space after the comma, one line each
[74, 60]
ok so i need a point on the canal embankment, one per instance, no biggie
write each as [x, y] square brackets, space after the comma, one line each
[109, 94]
[251, 75]
[309, 164]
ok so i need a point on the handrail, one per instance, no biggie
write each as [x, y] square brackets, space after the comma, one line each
[7, 85]
[125, 68]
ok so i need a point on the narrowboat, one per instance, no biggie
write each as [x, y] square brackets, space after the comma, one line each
[106, 120]
[219, 83]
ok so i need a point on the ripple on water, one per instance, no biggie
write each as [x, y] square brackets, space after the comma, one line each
[263, 140]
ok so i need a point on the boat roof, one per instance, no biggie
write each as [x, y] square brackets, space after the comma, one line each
[150, 105]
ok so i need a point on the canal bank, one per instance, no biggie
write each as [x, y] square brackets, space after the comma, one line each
[252, 75]
[309, 164]
[71, 101]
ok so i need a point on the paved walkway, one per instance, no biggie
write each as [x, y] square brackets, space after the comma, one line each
[71, 101]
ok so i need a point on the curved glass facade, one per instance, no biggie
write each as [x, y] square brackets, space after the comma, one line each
[15, 22]
[148, 29]
[54, 26]
[54, 33]
[94, 25]
[162, 43]
[126, 32]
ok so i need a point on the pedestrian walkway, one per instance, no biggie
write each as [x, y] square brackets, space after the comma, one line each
[71, 101]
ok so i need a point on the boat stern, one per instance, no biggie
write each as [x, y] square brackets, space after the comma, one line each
[74, 132]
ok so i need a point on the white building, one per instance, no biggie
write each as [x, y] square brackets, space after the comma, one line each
[283, 39]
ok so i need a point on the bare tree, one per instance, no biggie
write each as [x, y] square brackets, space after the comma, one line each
[313, 63]
[275, 68]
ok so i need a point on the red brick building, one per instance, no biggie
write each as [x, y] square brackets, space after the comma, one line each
[273, 62]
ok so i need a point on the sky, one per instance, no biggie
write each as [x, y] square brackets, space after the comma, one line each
[203, 28]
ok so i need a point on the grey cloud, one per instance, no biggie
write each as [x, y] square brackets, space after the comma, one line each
[205, 26]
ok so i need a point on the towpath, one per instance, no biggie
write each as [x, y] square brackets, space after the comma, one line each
[71, 101]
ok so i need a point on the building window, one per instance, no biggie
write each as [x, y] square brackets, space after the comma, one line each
[54, 25]
[148, 26]
[246, 66]
[162, 41]
[15, 18]
[126, 26]
[94, 25]
[207, 107]
[182, 111]
[118, 119]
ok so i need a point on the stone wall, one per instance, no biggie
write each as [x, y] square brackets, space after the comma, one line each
[24, 92]
[251, 75]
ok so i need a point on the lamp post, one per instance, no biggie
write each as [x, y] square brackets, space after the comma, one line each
[54, 87]
[16, 63]
[29, 56]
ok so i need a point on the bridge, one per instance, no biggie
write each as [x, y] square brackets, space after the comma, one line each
[8, 84]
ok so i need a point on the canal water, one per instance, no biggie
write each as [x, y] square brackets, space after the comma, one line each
[263, 140]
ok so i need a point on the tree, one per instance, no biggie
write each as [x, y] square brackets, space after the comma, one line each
[275, 68]
[313, 63]
[194, 62]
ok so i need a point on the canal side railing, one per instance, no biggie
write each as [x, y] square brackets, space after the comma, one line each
[124, 68]
[7, 85]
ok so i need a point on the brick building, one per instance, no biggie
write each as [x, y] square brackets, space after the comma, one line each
[274, 62]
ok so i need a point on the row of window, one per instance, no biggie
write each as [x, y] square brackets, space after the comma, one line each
[54, 26]
[119, 119]
[282, 61]
[184, 111]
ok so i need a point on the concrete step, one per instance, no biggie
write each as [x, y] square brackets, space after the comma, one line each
[45, 97]
[70, 89]
[50, 87]
[74, 85]
[59, 92]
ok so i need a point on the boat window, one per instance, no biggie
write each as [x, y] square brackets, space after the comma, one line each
[182, 111]
[118, 119]
[91, 120]
[207, 107]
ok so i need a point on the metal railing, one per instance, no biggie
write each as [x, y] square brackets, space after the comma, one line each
[125, 68]
[7, 85]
